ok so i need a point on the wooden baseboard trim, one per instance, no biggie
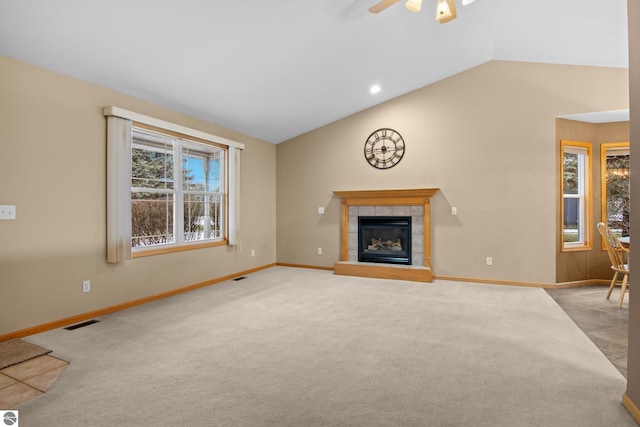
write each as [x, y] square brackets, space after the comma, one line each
[544, 285]
[631, 407]
[107, 310]
[491, 281]
[578, 283]
[561, 285]
[315, 267]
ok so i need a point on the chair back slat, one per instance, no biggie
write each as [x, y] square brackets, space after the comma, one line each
[617, 252]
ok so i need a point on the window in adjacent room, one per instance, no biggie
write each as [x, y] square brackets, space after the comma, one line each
[576, 195]
[177, 190]
[614, 161]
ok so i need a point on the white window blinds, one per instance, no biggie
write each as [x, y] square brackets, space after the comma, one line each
[118, 189]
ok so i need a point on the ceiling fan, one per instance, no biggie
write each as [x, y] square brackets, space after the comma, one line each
[445, 9]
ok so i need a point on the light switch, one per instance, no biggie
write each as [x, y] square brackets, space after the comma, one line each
[454, 210]
[7, 212]
[321, 210]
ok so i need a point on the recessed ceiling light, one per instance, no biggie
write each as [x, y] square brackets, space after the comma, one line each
[374, 89]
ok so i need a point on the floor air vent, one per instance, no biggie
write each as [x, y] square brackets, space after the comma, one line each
[81, 325]
[239, 278]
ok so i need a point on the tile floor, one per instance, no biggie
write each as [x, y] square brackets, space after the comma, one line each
[26, 380]
[600, 319]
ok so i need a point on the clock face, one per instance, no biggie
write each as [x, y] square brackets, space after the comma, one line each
[384, 148]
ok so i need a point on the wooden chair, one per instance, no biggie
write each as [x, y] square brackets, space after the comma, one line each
[619, 257]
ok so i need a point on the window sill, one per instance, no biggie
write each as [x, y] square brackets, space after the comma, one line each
[576, 249]
[182, 248]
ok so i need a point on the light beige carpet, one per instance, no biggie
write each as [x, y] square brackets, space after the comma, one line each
[299, 347]
[17, 351]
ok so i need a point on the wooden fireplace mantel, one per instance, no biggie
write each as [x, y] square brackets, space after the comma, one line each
[406, 197]
[418, 196]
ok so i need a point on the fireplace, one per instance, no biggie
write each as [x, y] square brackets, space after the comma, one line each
[411, 203]
[384, 239]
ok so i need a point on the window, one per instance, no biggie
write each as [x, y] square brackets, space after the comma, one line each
[576, 195]
[614, 161]
[175, 202]
[169, 188]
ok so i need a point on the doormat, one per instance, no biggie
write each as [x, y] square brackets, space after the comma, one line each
[17, 351]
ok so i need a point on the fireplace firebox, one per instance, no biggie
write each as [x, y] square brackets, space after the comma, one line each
[384, 239]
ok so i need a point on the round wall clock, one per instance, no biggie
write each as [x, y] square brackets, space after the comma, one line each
[384, 148]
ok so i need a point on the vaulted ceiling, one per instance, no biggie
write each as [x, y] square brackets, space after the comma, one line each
[276, 69]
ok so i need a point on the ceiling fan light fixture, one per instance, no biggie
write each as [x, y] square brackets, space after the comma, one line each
[443, 11]
[413, 5]
[446, 11]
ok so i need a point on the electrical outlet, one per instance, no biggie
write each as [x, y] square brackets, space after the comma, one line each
[86, 286]
[253, 252]
[489, 260]
[7, 212]
[319, 251]
[321, 210]
[454, 210]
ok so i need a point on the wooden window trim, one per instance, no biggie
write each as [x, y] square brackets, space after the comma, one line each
[588, 240]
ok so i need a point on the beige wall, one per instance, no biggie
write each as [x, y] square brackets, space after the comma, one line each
[52, 167]
[592, 264]
[486, 137]
[633, 375]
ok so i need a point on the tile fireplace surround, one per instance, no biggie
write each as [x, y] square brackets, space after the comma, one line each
[413, 202]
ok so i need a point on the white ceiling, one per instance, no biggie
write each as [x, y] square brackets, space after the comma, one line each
[600, 116]
[276, 69]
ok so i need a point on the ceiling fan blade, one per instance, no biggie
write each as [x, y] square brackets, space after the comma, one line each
[452, 8]
[377, 8]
